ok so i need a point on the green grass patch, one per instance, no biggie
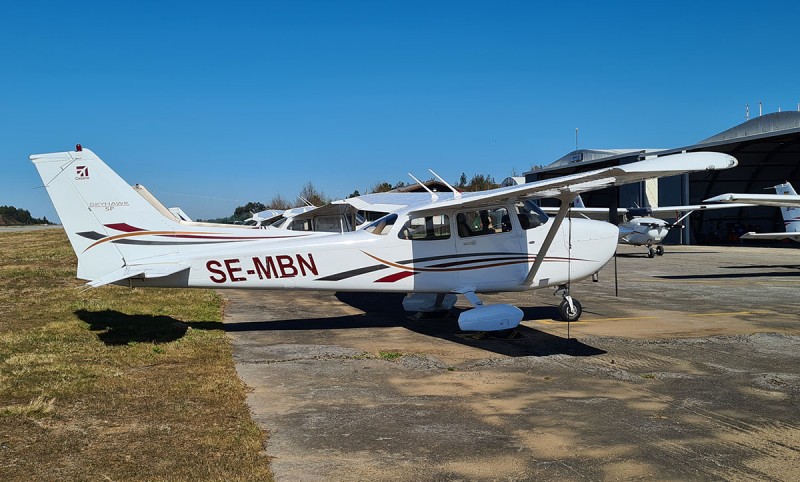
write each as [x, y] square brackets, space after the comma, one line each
[114, 383]
[389, 355]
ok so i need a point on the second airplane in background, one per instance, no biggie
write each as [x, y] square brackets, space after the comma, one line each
[640, 227]
[786, 199]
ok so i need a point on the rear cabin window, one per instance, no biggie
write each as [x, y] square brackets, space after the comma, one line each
[301, 225]
[483, 221]
[330, 224]
[426, 228]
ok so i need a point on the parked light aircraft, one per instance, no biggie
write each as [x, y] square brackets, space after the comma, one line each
[336, 217]
[639, 227]
[275, 217]
[786, 199]
[263, 218]
[434, 250]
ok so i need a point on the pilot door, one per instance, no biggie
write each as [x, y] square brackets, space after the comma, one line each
[490, 248]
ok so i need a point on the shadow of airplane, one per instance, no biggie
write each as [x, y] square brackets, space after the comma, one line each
[383, 310]
[643, 254]
[118, 328]
[766, 274]
[763, 266]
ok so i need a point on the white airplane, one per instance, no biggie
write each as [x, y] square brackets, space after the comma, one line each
[786, 199]
[263, 218]
[639, 227]
[275, 217]
[350, 214]
[434, 250]
[336, 217]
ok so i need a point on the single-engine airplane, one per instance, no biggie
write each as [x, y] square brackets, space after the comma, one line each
[640, 227]
[433, 250]
[785, 198]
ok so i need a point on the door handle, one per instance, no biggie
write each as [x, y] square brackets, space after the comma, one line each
[469, 243]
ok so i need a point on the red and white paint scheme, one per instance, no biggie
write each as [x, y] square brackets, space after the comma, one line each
[433, 249]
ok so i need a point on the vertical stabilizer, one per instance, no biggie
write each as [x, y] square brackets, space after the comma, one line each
[791, 215]
[96, 205]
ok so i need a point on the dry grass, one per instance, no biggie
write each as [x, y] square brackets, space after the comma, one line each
[114, 383]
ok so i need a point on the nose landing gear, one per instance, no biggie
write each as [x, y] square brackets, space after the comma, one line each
[653, 252]
[570, 309]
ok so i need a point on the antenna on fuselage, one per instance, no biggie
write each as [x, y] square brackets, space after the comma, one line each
[456, 193]
[434, 196]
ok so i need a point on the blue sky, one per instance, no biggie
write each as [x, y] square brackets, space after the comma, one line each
[213, 104]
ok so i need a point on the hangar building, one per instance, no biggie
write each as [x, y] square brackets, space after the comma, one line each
[768, 150]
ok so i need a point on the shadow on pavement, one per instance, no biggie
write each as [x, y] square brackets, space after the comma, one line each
[385, 310]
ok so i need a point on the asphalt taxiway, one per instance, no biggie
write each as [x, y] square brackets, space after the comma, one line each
[690, 372]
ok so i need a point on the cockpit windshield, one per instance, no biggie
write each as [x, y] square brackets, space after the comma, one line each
[382, 226]
[530, 215]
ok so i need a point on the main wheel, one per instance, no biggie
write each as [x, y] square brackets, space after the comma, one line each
[566, 313]
[651, 253]
[660, 250]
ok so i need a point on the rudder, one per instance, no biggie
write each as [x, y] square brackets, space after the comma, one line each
[791, 215]
[95, 204]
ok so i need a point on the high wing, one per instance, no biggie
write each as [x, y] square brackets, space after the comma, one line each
[652, 210]
[694, 207]
[784, 235]
[777, 200]
[266, 217]
[568, 187]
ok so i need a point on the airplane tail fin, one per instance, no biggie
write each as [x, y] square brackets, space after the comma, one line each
[785, 188]
[791, 215]
[578, 202]
[102, 215]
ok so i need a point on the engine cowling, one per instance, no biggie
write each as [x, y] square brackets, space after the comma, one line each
[490, 318]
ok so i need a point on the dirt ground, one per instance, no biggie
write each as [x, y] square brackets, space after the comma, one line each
[691, 373]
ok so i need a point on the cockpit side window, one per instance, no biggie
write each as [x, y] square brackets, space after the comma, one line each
[530, 215]
[426, 228]
[382, 226]
[483, 221]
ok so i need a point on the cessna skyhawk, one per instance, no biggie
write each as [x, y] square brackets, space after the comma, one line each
[433, 249]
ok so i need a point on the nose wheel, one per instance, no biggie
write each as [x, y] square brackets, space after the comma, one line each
[570, 309]
[653, 252]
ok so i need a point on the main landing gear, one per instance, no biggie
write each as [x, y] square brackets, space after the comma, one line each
[653, 252]
[570, 309]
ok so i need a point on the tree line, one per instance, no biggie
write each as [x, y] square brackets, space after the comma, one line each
[11, 216]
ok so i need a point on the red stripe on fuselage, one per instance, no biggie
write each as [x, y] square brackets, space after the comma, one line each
[395, 277]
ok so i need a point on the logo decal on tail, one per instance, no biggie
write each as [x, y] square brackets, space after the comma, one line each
[82, 173]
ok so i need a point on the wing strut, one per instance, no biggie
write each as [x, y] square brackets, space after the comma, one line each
[548, 240]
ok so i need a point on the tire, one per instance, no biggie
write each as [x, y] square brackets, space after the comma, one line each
[651, 253]
[660, 250]
[566, 314]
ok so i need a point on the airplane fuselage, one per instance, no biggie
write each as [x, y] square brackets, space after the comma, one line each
[491, 261]
[643, 231]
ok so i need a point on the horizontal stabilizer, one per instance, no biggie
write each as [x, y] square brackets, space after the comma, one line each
[785, 235]
[138, 271]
